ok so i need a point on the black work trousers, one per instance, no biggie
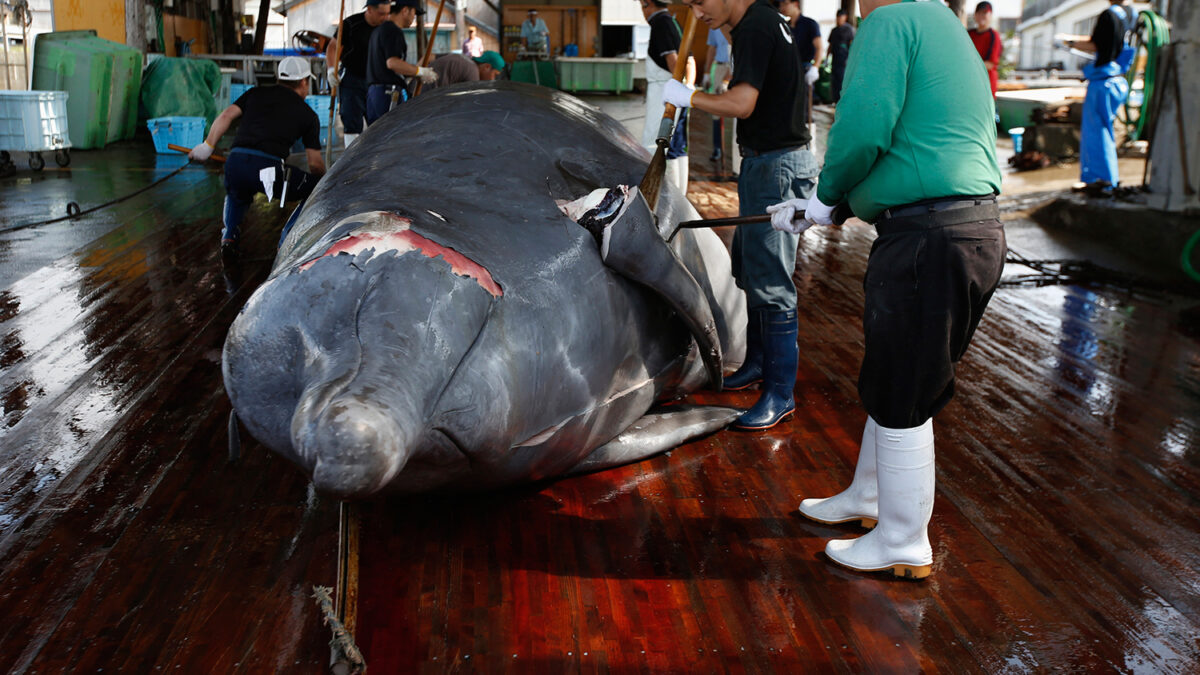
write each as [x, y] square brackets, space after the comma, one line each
[927, 284]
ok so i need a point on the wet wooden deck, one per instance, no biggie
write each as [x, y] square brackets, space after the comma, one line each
[1066, 530]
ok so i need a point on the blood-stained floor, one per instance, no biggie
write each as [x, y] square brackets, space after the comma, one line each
[1066, 530]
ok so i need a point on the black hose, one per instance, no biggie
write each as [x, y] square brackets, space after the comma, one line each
[75, 212]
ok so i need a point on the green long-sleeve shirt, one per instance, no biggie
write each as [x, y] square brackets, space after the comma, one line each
[916, 119]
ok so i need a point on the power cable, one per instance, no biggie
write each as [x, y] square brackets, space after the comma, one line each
[73, 210]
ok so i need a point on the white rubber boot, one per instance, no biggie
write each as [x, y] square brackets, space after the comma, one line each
[857, 503]
[899, 544]
[347, 139]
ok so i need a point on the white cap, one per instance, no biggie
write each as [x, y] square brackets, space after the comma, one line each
[293, 68]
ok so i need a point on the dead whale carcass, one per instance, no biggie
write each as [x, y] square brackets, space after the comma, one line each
[434, 320]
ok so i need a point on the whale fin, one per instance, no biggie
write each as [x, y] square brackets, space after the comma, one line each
[632, 246]
[657, 432]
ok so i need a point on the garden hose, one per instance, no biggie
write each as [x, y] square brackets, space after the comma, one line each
[1186, 257]
[1151, 34]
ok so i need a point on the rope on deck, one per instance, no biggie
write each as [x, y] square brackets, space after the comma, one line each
[1078, 272]
[342, 645]
[73, 208]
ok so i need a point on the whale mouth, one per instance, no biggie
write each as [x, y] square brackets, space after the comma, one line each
[356, 447]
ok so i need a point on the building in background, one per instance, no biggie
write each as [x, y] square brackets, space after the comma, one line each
[1041, 20]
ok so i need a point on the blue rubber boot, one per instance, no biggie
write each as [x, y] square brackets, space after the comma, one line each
[781, 355]
[750, 373]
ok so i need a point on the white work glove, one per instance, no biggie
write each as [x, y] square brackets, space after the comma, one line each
[678, 94]
[704, 82]
[784, 218]
[332, 76]
[811, 74]
[427, 74]
[817, 212]
[202, 151]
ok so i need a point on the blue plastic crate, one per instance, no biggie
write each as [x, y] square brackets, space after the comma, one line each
[185, 131]
[320, 105]
[236, 90]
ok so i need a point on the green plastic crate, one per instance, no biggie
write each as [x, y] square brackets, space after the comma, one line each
[595, 74]
[522, 71]
[103, 79]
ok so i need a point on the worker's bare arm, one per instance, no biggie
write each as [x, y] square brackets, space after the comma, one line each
[222, 123]
[401, 67]
[1080, 42]
[738, 102]
[316, 165]
[330, 50]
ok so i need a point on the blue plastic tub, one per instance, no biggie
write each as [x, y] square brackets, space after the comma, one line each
[320, 105]
[185, 131]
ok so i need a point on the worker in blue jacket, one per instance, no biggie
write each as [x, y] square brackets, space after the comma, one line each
[1106, 92]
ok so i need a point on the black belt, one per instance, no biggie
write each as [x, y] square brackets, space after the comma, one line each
[750, 152]
[937, 213]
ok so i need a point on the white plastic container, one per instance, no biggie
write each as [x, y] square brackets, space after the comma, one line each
[33, 121]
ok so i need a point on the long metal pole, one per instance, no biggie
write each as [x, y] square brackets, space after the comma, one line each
[333, 88]
[25, 44]
[4, 34]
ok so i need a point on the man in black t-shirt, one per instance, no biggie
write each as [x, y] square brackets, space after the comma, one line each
[766, 95]
[662, 50]
[807, 35]
[387, 60]
[352, 83]
[273, 118]
[840, 39]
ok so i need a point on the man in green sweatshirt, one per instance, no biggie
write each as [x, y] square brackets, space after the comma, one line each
[912, 150]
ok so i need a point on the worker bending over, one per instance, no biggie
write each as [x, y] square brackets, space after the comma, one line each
[766, 95]
[913, 150]
[387, 61]
[455, 68]
[273, 118]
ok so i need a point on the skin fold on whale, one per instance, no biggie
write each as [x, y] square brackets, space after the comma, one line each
[434, 321]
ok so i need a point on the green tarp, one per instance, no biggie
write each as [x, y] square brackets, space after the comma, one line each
[180, 87]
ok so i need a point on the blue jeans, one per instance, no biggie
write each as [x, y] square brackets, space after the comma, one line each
[765, 258]
[379, 100]
[352, 96]
[242, 183]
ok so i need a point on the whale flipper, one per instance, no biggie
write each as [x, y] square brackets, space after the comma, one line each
[632, 246]
[657, 432]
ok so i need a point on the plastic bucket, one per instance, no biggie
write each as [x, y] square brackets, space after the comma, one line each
[1018, 136]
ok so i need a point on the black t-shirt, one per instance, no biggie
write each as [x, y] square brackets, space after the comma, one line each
[665, 38]
[273, 117]
[357, 43]
[1109, 34]
[387, 41]
[765, 57]
[804, 32]
[839, 42]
